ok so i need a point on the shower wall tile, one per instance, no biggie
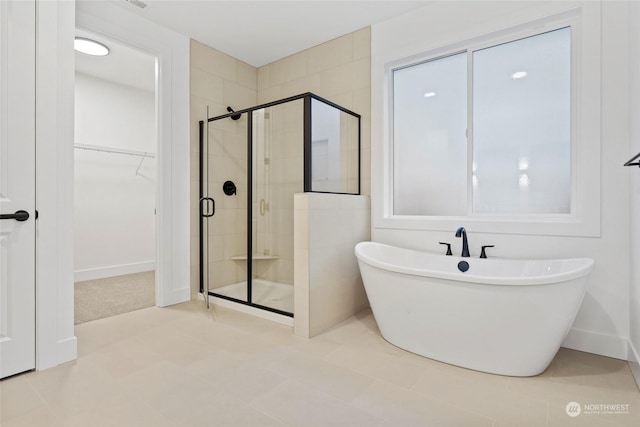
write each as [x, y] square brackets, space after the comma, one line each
[263, 77]
[301, 284]
[362, 101]
[348, 77]
[217, 81]
[216, 249]
[362, 43]
[334, 70]
[290, 68]
[338, 70]
[206, 85]
[331, 54]
[247, 75]
[238, 97]
[213, 61]
[365, 133]
[225, 272]
[311, 83]
[327, 228]
[272, 93]
[321, 201]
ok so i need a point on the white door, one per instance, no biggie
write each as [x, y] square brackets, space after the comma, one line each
[17, 186]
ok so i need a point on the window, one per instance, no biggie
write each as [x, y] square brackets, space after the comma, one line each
[486, 131]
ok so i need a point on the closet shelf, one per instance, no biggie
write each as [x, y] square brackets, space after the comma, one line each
[255, 257]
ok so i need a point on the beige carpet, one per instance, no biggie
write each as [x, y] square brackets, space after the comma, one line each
[95, 299]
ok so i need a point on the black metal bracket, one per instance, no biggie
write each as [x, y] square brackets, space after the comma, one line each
[630, 162]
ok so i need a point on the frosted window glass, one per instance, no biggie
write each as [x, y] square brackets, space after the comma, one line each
[429, 141]
[522, 126]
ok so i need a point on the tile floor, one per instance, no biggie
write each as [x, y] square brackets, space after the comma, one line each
[182, 366]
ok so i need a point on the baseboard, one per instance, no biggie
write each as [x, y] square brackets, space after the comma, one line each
[597, 343]
[67, 350]
[175, 296]
[634, 363]
[113, 270]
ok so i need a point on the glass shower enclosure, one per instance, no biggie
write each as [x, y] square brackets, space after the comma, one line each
[252, 162]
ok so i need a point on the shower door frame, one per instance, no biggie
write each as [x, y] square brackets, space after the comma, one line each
[306, 97]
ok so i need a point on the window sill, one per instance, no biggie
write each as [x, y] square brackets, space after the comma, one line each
[587, 226]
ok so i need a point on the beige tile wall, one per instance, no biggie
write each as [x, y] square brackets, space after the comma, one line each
[280, 177]
[338, 70]
[219, 80]
[328, 288]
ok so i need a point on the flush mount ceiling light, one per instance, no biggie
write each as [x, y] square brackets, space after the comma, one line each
[429, 94]
[90, 47]
[519, 75]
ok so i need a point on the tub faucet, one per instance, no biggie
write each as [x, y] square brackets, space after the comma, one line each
[465, 245]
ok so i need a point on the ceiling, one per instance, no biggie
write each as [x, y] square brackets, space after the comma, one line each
[261, 32]
[256, 32]
[123, 65]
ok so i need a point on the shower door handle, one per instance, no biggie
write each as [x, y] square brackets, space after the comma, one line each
[210, 212]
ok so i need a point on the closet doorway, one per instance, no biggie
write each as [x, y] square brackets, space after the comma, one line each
[115, 176]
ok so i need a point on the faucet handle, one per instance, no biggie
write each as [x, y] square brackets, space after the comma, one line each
[483, 254]
[448, 247]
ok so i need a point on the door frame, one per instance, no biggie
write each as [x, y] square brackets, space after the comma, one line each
[56, 23]
[172, 192]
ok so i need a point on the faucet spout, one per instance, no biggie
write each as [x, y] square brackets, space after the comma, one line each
[461, 232]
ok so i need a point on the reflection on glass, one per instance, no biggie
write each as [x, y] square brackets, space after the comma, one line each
[277, 174]
[334, 149]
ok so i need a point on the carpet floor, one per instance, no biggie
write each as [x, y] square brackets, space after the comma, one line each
[96, 299]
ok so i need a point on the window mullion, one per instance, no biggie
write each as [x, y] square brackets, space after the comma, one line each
[469, 132]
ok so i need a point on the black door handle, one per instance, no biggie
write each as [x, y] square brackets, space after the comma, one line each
[18, 216]
[210, 212]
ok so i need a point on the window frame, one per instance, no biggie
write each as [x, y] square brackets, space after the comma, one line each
[584, 218]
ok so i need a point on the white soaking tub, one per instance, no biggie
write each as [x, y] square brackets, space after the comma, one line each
[505, 317]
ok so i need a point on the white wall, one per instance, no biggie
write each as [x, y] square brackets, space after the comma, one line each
[634, 175]
[602, 324]
[114, 206]
[121, 22]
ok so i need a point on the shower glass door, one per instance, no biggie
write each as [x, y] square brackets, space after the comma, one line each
[223, 182]
[252, 163]
[277, 166]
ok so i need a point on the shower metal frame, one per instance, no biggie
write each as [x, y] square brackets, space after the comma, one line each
[306, 97]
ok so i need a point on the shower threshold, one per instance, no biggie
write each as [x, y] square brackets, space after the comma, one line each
[271, 295]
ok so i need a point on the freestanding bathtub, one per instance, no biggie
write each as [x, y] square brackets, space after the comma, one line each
[505, 317]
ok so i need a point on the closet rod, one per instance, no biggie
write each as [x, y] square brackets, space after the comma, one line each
[114, 150]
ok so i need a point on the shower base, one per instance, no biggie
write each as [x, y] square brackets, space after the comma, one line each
[264, 292]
